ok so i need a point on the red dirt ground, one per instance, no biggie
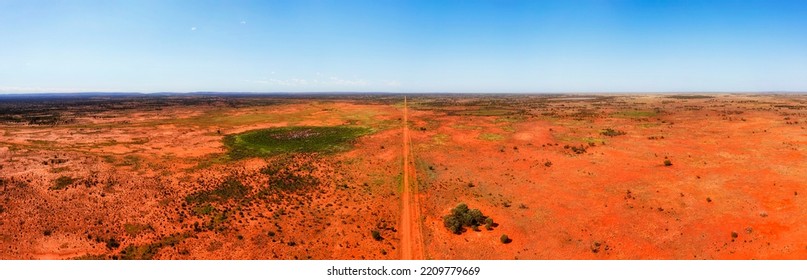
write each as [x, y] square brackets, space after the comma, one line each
[735, 190]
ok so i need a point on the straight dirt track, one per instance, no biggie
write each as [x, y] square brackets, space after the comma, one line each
[411, 239]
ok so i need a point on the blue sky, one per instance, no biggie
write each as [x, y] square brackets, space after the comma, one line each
[403, 46]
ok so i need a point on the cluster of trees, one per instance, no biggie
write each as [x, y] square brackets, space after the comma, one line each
[462, 217]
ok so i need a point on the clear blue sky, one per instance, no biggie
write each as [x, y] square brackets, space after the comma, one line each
[403, 46]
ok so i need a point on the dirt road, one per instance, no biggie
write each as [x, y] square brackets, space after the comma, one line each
[411, 237]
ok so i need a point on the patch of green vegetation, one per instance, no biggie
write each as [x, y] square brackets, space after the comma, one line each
[139, 252]
[648, 125]
[462, 217]
[690, 96]
[139, 141]
[130, 160]
[361, 117]
[304, 139]
[491, 137]
[571, 138]
[591, 140]
[89, 257]
[62, 182]
[440, 138]
[509, 119]
[224, 118]
[148, 251]
[231, 188]
[43, 143]
[291, 173]
[486, 112]
[207, 161]
[203, 209]
[635, 114]
[217, 221]
[136, 229]
[467, 127]
[108, 159]
[610, 132]
[399, 182]
[426, 168]
[60, 169]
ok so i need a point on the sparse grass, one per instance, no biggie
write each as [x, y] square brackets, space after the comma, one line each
[291, 173]
[491, 137]
[576, 149]
[131, 160]
[148, 251]
[304, 139]
[635, 114]
[509, 119]
[62, 183]
[90, 257]
[204, 209]
[228, 118]
[649, 125]
[610, 132]
[484, 112]
[60, 169]
[467, 127]
[108, 159]
[136, 229]
[690, 97]
[440, 138]
[231, 188]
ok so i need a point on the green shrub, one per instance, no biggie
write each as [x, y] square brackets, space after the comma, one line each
[376, 235]
[505, 239]
[461, 216]
[112, 243]
[667, 162]
[612, 132]
[489, 224]
[62, 183]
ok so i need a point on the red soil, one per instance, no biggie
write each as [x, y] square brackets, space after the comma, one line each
[735, 190]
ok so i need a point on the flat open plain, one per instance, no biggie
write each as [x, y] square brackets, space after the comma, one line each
[226, 176]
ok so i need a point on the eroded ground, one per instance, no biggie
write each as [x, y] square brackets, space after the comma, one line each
[564, 177]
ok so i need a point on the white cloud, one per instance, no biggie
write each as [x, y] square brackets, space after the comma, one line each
[193, 28]
[243, 22]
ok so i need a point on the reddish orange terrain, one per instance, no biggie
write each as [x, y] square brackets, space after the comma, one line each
[224, 176]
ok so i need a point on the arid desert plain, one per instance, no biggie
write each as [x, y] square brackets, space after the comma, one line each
[388, 176]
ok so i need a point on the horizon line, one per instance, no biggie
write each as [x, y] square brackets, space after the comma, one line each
[403, 92]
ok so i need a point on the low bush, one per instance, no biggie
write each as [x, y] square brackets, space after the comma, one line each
[505, 239]
[462, 217]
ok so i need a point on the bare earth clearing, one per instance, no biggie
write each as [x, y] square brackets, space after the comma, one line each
[371, 177]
